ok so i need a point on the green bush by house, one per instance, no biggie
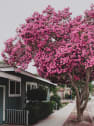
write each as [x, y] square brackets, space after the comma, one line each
[56, 100]
[67, 96]
[39, 110]
[38, 94]
[38, 107]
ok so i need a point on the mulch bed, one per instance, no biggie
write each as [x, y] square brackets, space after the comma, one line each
[71, 121]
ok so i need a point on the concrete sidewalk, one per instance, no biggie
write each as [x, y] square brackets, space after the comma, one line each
[90, 108]
[58, 118]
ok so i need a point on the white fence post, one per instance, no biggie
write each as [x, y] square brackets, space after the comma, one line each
[16, 116]
[27, 113]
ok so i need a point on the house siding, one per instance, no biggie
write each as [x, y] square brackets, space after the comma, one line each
[10, 102]
[18, 102]
[23, 92]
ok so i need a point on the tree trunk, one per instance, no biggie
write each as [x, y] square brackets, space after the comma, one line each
[81, 102]
[81, 97]
[79, 112]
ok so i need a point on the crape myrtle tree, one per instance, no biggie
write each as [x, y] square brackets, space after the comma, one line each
[62, 48]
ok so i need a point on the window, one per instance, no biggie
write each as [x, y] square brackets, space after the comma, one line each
[14, 88]
[30, 85]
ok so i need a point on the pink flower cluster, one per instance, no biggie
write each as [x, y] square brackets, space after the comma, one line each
[58, 43]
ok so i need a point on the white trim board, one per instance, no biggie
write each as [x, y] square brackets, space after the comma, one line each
[7, 69]
[4, 93]
[9, 76]
[14, 95]
[31, 84]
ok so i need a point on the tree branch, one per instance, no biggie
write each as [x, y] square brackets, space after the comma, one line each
[86, 90]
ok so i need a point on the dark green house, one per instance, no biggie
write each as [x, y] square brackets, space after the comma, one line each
[13, 88]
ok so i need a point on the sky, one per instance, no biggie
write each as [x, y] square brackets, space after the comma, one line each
[14, 12]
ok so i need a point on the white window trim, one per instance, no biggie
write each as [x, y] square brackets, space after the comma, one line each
[14, 95]
[31, 83]
[4, 94]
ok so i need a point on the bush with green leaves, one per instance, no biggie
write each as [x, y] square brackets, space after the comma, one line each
[38, 94]
[39, 111]
[67, 96]
[56, 100]
[37, 106]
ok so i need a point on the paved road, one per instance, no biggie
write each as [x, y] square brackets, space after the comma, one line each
[57, 118]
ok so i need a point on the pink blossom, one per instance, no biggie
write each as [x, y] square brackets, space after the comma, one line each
[58, 44]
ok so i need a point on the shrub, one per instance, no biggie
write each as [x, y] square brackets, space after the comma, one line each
[38, 94]
[39, 110]
[57, 101]
[67, 96]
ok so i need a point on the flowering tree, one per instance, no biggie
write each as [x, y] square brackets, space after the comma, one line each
[62, 48]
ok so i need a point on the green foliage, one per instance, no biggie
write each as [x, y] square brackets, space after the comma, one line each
[91, 87]
[37, 108]
[89, 98]
[38, 94]
[73, 95]
[56, 101]
[54, 90]
[67, 96]
[64, 104]
[38, 111]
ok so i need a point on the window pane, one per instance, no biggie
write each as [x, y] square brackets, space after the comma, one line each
[28, 87]
[34, 87]
[18, 87]
[12, 87]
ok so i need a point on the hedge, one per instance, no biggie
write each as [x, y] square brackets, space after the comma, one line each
[39, 110]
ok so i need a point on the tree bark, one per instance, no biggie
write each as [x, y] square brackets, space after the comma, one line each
[81, 105]
[81, 97]
[79, 114]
